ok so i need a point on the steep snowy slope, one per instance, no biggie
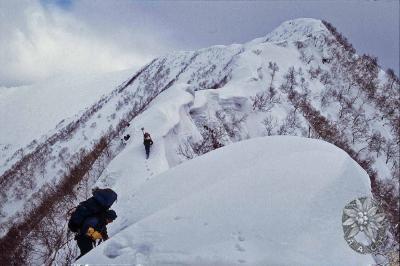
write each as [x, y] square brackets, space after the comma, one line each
[266, 201]
[302, 79]
[32, 111]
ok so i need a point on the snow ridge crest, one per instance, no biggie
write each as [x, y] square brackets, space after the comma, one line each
[297, 30]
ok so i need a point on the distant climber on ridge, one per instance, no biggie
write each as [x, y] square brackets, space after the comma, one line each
[90, 218]
[147, 142]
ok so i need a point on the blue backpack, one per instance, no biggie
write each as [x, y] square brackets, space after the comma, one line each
[101, 201]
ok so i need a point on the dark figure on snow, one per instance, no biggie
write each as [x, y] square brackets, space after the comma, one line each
[89, 219]
[93, 229]
[147, 142]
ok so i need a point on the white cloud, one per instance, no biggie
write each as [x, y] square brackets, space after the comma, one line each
[39, 41]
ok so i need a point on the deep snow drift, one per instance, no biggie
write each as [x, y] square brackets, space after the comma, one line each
[220, 79]
[173, 97]
[265, 201]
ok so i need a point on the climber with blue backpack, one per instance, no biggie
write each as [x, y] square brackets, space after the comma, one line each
[90, 218]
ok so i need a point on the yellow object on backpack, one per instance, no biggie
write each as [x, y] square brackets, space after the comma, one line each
[93, 234]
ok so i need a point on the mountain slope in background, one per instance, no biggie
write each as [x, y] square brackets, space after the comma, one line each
[32, 111]
[302, 79]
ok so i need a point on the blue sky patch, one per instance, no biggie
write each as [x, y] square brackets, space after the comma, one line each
[64, 4]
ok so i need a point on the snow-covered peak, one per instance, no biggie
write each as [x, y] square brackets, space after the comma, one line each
[295, 30]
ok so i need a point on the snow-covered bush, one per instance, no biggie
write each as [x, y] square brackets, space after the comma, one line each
[265, 100]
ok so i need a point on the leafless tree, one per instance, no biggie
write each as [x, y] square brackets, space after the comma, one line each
[359, 127]
[325, 78]
[290, 124]
[391, 150]
[213, 137]
[376, 143]
[273, 66]
[290, 80]
[185, 149]
[232, 122]
[265, 100]
[270, 124]
[314, 73]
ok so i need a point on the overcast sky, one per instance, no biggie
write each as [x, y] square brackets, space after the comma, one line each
[43, 38]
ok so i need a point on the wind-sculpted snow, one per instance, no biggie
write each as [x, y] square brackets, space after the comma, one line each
[211, 68]
[266, 201]
[128, 98]
[298, 80]
[31, 177]
[297, 30]
[46, 163]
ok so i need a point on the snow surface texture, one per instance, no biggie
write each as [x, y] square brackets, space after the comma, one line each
[265, 201]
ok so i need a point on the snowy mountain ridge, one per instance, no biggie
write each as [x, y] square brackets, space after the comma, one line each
[302, 79]
[295, 30]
